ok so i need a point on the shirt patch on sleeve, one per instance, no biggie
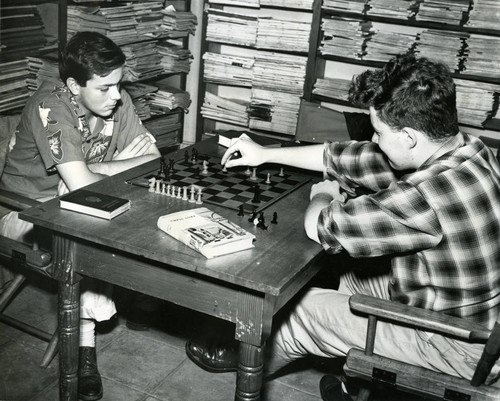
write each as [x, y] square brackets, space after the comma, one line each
[56, 146]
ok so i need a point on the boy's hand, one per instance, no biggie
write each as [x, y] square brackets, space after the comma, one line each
[249, 151]
[139, 146]
[328, 188]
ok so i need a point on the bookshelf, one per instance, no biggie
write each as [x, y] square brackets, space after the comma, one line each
[460, 35]
[254, 56]
[376, 29]
[153, 34]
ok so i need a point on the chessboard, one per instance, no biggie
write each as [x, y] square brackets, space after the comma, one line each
[233, 189]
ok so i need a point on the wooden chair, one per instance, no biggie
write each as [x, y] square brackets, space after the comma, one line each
[378, 370]
[19, 256]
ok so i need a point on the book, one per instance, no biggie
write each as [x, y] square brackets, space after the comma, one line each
[94, 203]
[206, 232]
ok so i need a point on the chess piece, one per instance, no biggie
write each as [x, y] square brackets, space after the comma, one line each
[281, 173]
[157, 188]
[169, 187]
[161, 173]
[179, 196]
[224, 169]
[253, 177]
[185, 194]
[253, 217]
[163, 185]
[248, 171]
[192, 199]
[256, 194]
[198, 199]
[186, 156]
[268, 179]
[152, 184]
[241, 211]
[261, 222]
[275, 218]
[205, 168]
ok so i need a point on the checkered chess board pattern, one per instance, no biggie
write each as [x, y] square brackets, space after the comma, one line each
[229, 189]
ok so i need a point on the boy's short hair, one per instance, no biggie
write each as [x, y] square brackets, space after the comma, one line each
[89, 53]
[412, 92]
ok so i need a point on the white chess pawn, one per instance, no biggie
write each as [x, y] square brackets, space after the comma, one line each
[281, 174]
[169, 187]
[158, 190]
[163, 186]
[199, 201]
[268, 179]
[185, 194]
[179, 189]
[172, 193]
[192, 199]
[254, 174]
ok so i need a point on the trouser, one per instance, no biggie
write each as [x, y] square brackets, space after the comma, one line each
[322, 324]
[95, 297]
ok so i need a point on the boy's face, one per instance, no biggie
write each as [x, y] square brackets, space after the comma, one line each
[101, 94]
[394, 144]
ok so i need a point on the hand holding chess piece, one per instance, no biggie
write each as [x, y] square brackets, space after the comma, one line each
[249, 152]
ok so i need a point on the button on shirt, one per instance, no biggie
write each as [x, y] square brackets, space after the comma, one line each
[440, 224]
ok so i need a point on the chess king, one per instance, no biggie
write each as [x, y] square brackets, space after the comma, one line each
[71, 135]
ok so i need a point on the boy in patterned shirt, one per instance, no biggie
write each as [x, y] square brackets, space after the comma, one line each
[431, 203]
[71, 135]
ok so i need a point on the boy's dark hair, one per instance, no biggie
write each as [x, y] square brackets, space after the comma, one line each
[89, 53]
[410, 92]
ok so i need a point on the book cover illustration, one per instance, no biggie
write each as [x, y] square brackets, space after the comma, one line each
[206, 232]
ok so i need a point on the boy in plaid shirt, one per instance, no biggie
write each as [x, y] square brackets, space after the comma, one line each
[432, 204]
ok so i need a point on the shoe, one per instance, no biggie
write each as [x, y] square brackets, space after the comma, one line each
[142, 312]
[89, 379]
[330, 388]
[214, 358]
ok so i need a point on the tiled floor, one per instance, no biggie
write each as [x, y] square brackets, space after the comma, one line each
[135, 366]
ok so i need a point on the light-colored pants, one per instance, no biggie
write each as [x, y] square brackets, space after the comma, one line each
[322, 324]
[95, 297]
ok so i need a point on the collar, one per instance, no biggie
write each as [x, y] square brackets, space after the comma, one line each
[453, 143]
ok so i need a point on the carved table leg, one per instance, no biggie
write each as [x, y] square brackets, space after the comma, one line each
[68, 318]
[250, 373]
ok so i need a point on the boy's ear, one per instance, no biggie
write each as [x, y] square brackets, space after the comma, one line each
[73, 86]
[411, 137]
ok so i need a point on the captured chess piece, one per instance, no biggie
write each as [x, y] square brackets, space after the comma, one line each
[241, 211]
[253, 217]
[261, 221]
[275, 218]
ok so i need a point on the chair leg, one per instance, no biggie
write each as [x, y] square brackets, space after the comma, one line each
[11, 290]
[51, 350]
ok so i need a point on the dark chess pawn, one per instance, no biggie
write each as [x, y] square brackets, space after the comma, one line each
[253, 217]
[262, 222]
[275, 218]
[241, 211]
[197, 172]
[186, 156]
[256, 194]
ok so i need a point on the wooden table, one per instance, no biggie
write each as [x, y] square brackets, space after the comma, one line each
[246, 288]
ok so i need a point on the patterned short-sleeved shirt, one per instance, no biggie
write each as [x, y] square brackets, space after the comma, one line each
[53, 130]
[440, 224]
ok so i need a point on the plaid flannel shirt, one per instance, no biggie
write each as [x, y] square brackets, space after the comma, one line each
[440, 224]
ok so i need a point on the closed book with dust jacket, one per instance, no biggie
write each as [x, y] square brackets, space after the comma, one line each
[94, 203]
[206, 232]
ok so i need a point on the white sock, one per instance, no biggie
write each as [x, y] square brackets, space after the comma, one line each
[87, 333]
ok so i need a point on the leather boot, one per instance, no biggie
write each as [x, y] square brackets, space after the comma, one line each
[89, 379]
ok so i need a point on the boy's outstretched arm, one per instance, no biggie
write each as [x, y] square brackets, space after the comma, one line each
[309, 157]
